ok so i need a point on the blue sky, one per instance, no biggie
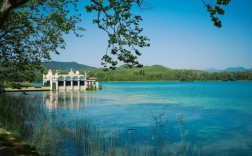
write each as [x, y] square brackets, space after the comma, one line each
[182, 37]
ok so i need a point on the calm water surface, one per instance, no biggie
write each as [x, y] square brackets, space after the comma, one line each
[217, 115]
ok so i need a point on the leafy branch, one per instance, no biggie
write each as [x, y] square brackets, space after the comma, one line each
[215, 10]
[123, 30]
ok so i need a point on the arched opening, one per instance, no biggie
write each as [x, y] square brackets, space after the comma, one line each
[75, 81]
[53, 86]
[68, 81]
[82, 81]
[60, 81]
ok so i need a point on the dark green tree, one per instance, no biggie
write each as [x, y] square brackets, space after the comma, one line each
[29, 31]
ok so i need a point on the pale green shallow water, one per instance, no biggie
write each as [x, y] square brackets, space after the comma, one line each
[218, 115]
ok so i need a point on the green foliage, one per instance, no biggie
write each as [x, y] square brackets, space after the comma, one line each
[160, 73]
[140, 72]
[30, 31]
[215, 10]
[26, 84]
[91, 87]
[47, 84]
[16, 79]
[115, 17]
[18, 85]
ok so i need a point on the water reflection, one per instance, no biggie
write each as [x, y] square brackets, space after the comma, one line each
[69, 100]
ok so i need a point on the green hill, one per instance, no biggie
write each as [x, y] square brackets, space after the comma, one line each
[146, 73]
[55, 65]
[161, 73]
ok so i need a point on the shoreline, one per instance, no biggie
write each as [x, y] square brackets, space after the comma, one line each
[180, 81]
[12, 145]
[28, 89]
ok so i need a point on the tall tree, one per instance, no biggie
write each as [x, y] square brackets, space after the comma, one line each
[29, 31]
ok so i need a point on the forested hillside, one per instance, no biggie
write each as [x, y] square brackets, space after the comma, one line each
[160, 73]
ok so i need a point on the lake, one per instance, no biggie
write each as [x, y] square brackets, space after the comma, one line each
[149, 118]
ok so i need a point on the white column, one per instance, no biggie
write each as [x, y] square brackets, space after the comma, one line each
[57, 85]
[64, 84]
[84, 87]
[51, 84]
[78, 84]
[71, 84]
[97, 85]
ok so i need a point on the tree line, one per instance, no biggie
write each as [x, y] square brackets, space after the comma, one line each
[172, 75]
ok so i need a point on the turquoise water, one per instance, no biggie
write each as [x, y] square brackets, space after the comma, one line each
[217, 115]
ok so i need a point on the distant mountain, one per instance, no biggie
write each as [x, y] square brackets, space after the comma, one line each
[65, 65]
[235, 69]
[229, 69]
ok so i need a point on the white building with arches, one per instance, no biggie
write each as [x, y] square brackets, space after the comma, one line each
[69, 82]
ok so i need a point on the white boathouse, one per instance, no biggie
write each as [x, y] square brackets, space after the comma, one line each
[69, 82]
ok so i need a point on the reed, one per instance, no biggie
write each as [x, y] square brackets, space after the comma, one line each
[18, 113]
[85, 139]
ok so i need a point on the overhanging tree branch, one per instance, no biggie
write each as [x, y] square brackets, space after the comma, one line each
[215, 9]
[7, 6]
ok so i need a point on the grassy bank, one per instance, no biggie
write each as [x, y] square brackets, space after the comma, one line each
[12, 145]
[16, 115]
